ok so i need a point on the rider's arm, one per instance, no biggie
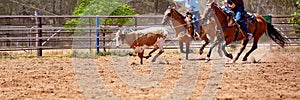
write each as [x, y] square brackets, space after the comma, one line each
[208, 1]
[231, 4]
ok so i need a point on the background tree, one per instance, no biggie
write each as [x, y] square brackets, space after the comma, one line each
[103, 7]
[296, 20]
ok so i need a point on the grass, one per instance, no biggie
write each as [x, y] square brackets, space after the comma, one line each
[62, 53]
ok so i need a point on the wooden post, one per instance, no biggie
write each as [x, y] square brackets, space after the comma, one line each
[103, 34]
[39, 34]
[135, 23]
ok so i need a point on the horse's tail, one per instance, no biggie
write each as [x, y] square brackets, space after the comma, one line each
[275, 35]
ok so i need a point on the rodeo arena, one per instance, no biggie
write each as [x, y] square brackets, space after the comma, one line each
[151, 57]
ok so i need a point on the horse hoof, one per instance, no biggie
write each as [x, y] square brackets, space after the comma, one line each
[245, 59]
[230, 56]
[233, 61]
[130, 54]
[207, 59]
[153, 60]
[182, 51]
[201, 52]
[147, 57]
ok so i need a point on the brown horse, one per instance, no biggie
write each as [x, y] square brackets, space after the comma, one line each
[183, 31]
[257, 28]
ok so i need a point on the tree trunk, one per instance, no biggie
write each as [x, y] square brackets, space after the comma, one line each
[258, 6]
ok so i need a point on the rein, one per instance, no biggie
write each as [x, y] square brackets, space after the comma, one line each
[224, 26]
[173, 28]
[178, 18]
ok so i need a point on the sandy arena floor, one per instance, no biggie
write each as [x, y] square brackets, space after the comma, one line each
[275, 75]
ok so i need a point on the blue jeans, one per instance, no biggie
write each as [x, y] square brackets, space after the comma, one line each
[196, 22]
[238, 17]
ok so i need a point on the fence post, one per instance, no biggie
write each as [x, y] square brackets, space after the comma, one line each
[39, 33]
[97, 34]
[268, 18]
[103, 35]
[135, 23]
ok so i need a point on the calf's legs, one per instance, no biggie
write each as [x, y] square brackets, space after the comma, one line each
[159, 53]
[149, 55]
[141, 55]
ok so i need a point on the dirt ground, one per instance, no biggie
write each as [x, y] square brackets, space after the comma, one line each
[274, 75]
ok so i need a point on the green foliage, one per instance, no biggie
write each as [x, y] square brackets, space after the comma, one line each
[120, 53]
[102, 8]
[296, 20]
[298, 4]
[79, 54]
[121, 10]
[103, 54]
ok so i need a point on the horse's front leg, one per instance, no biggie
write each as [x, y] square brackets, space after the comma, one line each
[187, 45]
[224, 50]
[254, 46]
[213, 44]
[180, 42]
[244, 44]
[203, 46]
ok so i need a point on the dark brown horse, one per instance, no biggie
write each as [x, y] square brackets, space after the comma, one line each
[257, 28]
[183, 26]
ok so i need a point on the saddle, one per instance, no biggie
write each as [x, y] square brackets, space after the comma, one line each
[248, 17]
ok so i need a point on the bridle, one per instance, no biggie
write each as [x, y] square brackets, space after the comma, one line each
[169, 16]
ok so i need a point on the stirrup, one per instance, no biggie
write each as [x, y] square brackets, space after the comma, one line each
[249, 36]
[196, 36]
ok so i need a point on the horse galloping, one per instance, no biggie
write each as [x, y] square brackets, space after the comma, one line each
[214, 36]
[257, 28]
[183, 29]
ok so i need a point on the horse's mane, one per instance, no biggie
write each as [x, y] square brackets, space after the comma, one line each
[222, 12]
[180, 15]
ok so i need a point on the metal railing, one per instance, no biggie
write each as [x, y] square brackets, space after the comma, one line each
[41, 34]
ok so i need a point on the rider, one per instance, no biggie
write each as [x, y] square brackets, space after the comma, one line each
[226, 8]
[238, 8]
[193, 7]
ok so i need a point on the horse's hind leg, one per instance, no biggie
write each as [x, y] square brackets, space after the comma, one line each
[254, 46]
[225, 52]
[213, 44]
[244, 42]
[219, 48]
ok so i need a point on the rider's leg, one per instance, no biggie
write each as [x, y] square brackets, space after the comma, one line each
[245, 28]
[238, 18]
[196, 22]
